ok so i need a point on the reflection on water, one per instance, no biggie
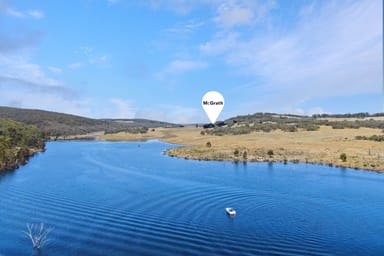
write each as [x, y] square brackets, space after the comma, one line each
[129, 199]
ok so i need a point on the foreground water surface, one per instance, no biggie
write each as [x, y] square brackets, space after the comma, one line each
[127, 198]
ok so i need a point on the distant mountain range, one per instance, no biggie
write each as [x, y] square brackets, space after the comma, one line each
[59, 124]
[53, 123]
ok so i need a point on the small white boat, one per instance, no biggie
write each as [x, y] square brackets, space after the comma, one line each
[230, 211]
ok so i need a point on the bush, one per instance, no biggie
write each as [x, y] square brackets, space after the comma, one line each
[270, 153]
[236, 152]
[208, 144]
[378, 138]
[245, 155]
[343, 157]
[292, 128]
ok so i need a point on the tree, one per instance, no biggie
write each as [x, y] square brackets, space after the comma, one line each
[343, 157]
[270, 153]
[236, 152]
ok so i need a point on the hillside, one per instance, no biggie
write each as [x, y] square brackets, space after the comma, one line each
[59, 124]
[18, 141]
[268, 122]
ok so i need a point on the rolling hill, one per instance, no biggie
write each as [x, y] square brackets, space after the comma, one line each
[59, 124]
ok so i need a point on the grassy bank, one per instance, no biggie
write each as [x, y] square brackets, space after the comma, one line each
[324, 146]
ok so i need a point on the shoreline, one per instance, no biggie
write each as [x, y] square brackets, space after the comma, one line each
[322, 147]
[23, 159]
[265, 160]
[178, 152]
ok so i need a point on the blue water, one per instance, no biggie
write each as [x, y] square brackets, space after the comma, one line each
[105, 198]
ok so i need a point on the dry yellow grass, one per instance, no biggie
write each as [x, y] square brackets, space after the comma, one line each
[322, 146]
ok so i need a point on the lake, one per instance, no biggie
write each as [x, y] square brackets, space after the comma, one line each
[127, 198]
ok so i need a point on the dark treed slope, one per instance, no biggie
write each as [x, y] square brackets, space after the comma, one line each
[59, 124]
[18, 141]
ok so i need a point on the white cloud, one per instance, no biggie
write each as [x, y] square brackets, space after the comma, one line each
[76, 65]
[182, 7]
[15, 13]
[182, 66]
[86, 50]
[55, 70]
[24, 84]
[221, 43]
[33, 89]
[98, 59]
[46, 101]
[186, 28]
[231, 16]
[18, 68]
[325, 54]
[236, 12]
[18, 76]
[36, 14]
[173, 114]
[178, 68]
[229, 13]
[91, 57]
[119, 108]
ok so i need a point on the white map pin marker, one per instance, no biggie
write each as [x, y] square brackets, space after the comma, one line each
[213, 103]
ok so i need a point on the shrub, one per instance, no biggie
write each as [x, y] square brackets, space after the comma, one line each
[270, 153]
[236, 152]
[245, 155]
[292, 128]
[208, 144]
[378, 138]
[343, 157]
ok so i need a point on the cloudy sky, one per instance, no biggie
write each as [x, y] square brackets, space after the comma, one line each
[156, 58]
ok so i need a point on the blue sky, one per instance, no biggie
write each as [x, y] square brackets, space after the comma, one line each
[156, 58]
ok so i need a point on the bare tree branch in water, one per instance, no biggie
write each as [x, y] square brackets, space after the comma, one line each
[38, 234]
